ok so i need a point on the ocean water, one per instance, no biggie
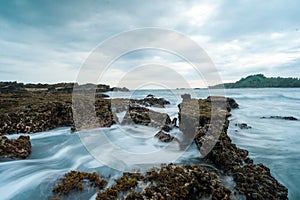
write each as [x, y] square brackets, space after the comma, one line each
[273, 142]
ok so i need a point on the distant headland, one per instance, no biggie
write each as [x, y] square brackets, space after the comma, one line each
[261, 81]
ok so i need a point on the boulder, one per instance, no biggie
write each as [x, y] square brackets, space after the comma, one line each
[186, 97]
[164, 137]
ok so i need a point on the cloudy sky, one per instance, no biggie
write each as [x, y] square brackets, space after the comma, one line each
[49, 41]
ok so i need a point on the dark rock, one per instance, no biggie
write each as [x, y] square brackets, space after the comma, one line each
[280, 117]
[150, 96]
[73, 129]
[149, 102]
[232, 103]
[256, 182]
[186, 97]
[146, 117]
[15, 148]
[243, 126]
[118, 89]
[174, 122]
[164, 137]
[253, 181]
[166, 128]
[36, 112]
[102, 96]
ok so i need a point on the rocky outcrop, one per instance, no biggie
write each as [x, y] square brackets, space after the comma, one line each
[150, 102]
[146, 117]
[254, 181]
[206, 122]
[36, 112]
[120, 89]
[168, 182]
[15, 148]
[73, 181]
[164, 137]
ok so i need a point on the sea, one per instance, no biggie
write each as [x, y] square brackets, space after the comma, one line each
[273, 142]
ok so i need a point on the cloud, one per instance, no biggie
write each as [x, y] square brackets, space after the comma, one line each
[48, 41]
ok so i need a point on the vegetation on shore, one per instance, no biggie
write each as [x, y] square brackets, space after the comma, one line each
[260, 81]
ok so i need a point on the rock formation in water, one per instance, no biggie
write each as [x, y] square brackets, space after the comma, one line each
[168, 182]
[19, 148]
[206, 122]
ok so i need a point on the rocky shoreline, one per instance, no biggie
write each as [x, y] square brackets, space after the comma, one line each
[198, 119]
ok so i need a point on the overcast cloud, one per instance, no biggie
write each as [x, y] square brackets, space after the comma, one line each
[48, 41]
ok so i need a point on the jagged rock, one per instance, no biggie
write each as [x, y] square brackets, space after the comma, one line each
[35, 112]
[169, 182]
[253, 181]
[256, 182]
[73, 181]
[15, 148]
[146, 117]
[150, 96]
[186, 97]
[174, 122]
[243, 126]
[164, 137]
[150, 102]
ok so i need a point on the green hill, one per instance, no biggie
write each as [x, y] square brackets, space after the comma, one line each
[260, 81]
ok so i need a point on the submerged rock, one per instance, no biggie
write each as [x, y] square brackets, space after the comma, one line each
[280, 117]
[243, 126]
[15, 148]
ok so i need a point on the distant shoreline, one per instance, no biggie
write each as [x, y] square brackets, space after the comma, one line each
[261, 81]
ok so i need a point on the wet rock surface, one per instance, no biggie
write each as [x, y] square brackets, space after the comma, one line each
[35, 112]
[146, 117]
[254, 181]
[19, 148]
[168, 182]
[203, 120]
[150, 102]
[73, 181]
[164, 137]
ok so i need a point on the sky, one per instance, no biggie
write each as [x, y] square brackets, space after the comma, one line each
[49, 41]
